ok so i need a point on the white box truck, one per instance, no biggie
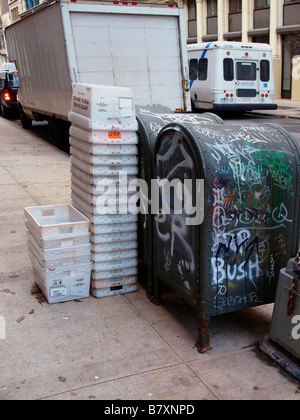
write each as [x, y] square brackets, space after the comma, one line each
[136, 45]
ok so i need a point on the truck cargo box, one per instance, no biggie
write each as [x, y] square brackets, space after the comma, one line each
[136, 45]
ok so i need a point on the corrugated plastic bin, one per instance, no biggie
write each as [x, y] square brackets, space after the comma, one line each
[104, 142]
[59, 246]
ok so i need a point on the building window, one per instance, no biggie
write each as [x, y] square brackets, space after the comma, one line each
[31, 3]
[192, 19]
[235, 6]
[261, 4]
[212, 17]
[235, 16]
[261, 14]
[212, 8]
[291, 13]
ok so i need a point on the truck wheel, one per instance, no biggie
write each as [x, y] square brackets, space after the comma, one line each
[25, 121]
[4, 111]
[58, 131]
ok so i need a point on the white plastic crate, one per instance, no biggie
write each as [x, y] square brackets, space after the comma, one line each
[114, 265]
[117, 281]
[97, 170]
[107, 257]
[60, 263]
[114, 246]
[119, 272]
[88, 179]
[104, 106]
[62, 243]
[55, 258]
[112, 228]
[57, 221]
[91, 210]
[103, 137]
[98, 220]
[65, 284]
[115, 291]
[111, 185]
[114, 199]
[114, 237]
[104, 149]
[104, 160]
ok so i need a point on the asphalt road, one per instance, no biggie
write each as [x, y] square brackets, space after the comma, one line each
[292, 125]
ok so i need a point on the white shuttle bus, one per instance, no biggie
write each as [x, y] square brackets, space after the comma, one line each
[231, 76]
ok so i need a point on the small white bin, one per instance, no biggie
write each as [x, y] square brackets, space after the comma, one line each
[116, 281]
[64, 284]
[120, 272]
[57, 221]
[104, 149]
[103, 137]
[114, 237]
[114, 265]
[57, 259]
[115, 291]
[104, 170]
[62, 243]
[88, 179]
[104, 160]
[107, 257]
[113, 228]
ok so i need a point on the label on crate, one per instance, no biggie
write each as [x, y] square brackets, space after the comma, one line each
[114, 135]
[58, 291]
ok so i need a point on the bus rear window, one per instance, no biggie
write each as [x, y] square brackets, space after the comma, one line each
[193, 69]
[202, 75]
[228, 69]
[265, 70]
[245, 71]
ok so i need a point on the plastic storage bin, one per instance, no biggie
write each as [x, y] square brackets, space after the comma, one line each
[59, 246]
[101, 147]
[56, 221]
[63, 284]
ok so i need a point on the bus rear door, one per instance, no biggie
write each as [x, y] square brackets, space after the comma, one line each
[246, 81]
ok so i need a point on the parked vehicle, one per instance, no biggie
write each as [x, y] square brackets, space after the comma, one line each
[136, 45]
[9, 85]
[231, 76]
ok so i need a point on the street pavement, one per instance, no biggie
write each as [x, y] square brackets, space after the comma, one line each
[114, 348]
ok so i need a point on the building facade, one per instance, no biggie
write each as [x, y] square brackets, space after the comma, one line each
[10, 11]
[275, 22]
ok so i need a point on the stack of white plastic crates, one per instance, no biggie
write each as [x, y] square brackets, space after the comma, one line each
[59, 245]
[104, 160]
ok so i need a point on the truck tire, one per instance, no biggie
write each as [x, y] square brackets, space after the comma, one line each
[25, 121]
[58, 132]
[4, 111]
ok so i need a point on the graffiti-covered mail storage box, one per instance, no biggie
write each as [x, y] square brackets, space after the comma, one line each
[228, 217]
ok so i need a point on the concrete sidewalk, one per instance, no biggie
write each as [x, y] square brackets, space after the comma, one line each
[119, 347]
[286, 109]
